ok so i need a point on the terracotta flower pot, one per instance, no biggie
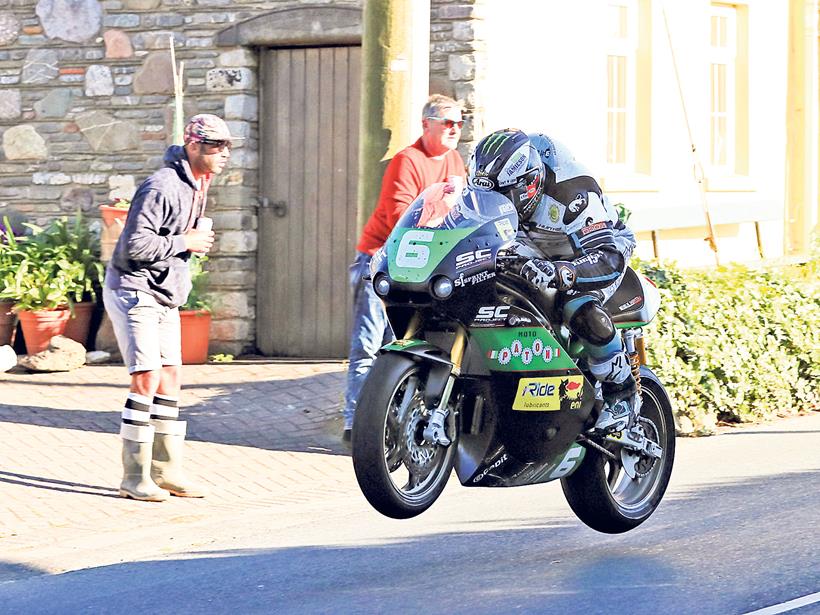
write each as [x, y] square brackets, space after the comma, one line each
[8, 323]
[40, 326]
[196, 325]
[113, 223]
[78, 327]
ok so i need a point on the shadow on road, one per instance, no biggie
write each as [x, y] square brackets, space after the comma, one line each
[719, 549]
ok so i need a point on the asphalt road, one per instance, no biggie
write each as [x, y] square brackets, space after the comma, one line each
[736, 532]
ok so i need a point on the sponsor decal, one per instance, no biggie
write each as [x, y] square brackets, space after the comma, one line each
[484, 183]
[532, 187]
[546, 394]
[536, 351]
[472, 280]
[554, 213]
[495, 464]
[377, 259]
[505, 229]
[511, 170]
[506, 208]
[566, 275]
[492, 312]
[598, 226]
[468, 259]
[591, 258]
[578, 203]
[630, 303]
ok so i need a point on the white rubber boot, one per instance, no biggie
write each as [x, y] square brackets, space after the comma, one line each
[136, 463]
[166, 464]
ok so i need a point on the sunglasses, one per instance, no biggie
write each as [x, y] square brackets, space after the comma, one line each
[220, 145]
[448, 124]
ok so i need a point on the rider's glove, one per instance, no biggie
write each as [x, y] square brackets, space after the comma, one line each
[544, 274]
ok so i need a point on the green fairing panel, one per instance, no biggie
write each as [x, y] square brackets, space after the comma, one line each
[413, 253]
[521, 349]
[404, 344]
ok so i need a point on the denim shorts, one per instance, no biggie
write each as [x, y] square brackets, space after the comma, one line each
[148, 334]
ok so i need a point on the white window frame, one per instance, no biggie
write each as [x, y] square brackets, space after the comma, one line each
[626, 48]
[724, 56]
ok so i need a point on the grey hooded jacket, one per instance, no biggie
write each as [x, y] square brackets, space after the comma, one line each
[150, 254]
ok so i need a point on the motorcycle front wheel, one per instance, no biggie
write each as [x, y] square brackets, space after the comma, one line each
[602, 495]
[398, 471]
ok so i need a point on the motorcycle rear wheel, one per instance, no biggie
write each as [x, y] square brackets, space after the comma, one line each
[602, 495]
[399, 473]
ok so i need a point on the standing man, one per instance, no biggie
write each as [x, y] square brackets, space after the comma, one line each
[429, 160]
[145, 283]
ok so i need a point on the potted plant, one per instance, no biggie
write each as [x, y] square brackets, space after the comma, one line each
[195, 315]
[113, 217]
[10, 257]
[57, 269]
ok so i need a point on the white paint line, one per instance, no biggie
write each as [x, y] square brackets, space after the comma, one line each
[787, 606]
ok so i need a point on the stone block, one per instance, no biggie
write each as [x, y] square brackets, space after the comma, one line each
[156, 75]
[461, 67]
[234, 304]
[106, 134]
[117, 45]
[230, 330]
[55, 104]
[75, 21]
[228, 79]
[237, 57]
[242, 107]
[52, 179]
[9, 28]
[10, 104]
[40, 66]
[24, 143]
[236, 242]
[121, 20]
[98, 81]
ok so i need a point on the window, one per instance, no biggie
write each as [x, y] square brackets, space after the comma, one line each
[623, 45]
[728, 90]
[628, 87]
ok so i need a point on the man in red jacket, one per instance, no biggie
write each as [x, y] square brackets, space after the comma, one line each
[433, 158]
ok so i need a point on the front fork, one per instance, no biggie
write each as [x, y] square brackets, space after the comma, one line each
[435, 431]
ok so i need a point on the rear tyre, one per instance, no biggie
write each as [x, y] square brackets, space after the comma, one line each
[399, 473]
[602, 495]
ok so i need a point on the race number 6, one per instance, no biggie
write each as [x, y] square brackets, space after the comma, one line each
[414, 255]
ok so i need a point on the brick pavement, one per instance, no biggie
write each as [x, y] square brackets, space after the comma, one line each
[264, 436]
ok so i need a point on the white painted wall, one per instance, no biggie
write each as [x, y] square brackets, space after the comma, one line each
[546, 69]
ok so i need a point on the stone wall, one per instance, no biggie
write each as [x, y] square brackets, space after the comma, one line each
[86, 96]
[457, 58]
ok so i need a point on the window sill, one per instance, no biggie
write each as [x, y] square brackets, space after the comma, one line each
[729, 183]
[629, 182]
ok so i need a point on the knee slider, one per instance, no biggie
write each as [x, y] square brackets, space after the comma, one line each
[593, 324]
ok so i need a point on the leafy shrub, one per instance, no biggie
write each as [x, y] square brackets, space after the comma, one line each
[198, 298]
[736, 344]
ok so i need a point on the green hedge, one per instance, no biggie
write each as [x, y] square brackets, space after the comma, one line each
[736, 344]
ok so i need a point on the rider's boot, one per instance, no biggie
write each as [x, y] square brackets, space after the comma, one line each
[621, 406]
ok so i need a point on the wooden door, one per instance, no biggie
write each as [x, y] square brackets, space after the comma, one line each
[309, 126]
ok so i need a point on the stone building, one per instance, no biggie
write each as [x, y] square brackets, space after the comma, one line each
[87, 97]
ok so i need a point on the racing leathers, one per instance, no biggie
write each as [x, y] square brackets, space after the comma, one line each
[575, 242]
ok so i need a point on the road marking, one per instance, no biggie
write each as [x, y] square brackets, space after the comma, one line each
[787, 606]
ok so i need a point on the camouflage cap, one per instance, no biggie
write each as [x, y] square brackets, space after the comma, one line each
[207, 128]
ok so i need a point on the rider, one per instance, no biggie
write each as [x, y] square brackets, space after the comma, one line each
[569, 238]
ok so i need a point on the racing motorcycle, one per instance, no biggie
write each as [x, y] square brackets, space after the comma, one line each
[483, 377]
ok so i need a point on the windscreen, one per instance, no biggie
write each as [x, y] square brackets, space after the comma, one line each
[442, 206]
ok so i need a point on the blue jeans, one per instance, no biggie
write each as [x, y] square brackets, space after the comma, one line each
[370, 332]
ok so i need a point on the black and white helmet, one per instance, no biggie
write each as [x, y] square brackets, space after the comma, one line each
[506, 161]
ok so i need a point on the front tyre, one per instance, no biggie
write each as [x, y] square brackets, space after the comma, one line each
[602, 495]
[399, 473]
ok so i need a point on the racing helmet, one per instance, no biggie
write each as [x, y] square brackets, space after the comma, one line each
[506, 161]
